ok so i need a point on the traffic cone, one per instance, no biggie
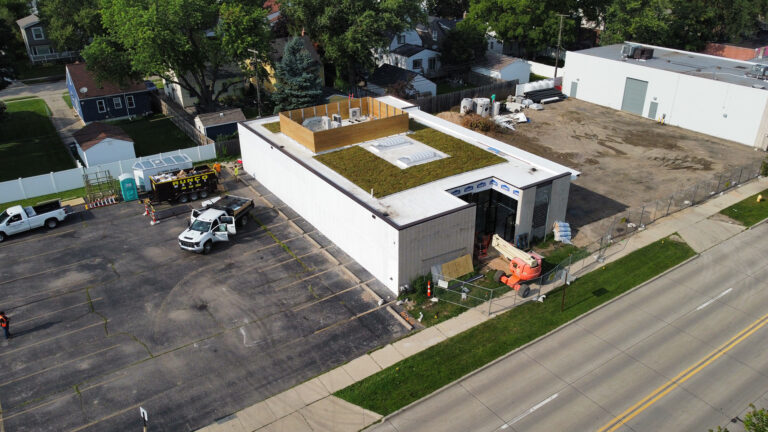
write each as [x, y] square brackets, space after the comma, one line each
[429, 288]
[146, 208]
[154, 219]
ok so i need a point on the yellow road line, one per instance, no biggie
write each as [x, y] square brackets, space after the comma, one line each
[683, 376]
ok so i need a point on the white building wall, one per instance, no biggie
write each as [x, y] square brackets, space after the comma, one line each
[424, 86]
[411, 37]
[407, 62]
[558, 201]
[716, 108]
[109, 150]
[364, 236]
[519, 70]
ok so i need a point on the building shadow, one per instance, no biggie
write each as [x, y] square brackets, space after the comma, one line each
[586, 206]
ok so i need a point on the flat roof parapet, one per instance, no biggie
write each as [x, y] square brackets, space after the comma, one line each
[377, 120]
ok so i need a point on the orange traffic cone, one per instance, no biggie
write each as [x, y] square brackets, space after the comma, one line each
[154, 218]
[429, 288]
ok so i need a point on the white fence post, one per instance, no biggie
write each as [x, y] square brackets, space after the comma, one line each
[21, 186]
[53, 182]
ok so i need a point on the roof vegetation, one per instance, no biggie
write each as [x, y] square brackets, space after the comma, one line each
[369, 171]
[273, 127]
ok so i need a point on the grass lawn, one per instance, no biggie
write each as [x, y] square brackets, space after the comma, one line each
[444, 87]
[421, 374]
[749, 211]
[273, 127]
[29, 144]
[155, 134]
[67, 98]
[64, 195]
[369, 171]
[27, 70]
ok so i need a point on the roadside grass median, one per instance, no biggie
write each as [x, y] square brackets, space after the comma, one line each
[748, 211]
[423, 373]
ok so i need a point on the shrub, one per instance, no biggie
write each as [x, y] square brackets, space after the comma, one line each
[478, 123]
[3, 109]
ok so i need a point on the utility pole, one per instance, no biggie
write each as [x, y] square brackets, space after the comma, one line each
[559, 39]
[258, 79]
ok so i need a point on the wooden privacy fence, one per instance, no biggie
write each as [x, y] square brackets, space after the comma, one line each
[444, 102]
[183, 120]
[228, 147]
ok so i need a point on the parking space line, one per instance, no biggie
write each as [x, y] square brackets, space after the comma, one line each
[45, 271]
[59, 365]
[338, 323]
[5, 353]
[57, 311]
[114, 414]
[44, 253]
[51, 294]
[36, 238]
[306, 305]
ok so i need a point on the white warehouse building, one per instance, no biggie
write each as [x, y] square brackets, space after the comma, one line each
[712, 95]
[395, 229]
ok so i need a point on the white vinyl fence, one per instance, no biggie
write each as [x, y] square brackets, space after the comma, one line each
[59, 181]
[544, 70]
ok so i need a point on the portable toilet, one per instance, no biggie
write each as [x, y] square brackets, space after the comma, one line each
[128, 187]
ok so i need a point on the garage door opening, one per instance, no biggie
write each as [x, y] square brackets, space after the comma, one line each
[634, 96]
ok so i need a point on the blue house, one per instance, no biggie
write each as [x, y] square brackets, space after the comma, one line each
[105, 100]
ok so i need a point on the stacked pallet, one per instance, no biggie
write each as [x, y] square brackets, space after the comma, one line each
[545, 96]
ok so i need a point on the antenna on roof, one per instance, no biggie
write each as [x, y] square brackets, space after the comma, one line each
[83, 89]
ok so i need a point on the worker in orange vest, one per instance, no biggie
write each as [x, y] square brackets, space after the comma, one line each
[5, 323]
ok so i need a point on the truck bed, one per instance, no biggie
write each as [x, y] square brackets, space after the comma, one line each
[233, 205]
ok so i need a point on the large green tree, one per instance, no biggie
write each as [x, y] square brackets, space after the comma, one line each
[70, 24]
[188, 42]
[533, 24]
[350, 30]
[298, 83]
[463, 45]
[6, 52]
[645, 21]
[447, 8]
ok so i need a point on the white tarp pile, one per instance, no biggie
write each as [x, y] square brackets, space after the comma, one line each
[562, 232]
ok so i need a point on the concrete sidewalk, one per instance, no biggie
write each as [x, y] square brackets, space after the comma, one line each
[311, 406]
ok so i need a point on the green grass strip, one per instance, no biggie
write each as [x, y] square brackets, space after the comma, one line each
[748, 211]
[423, 373]
[273, 127]
[63, 195]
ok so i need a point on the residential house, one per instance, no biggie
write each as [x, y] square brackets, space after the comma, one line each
[500, 67]
[228, 75]
[415, 58]
[101, 143]
[39, 47]
[219, 123]
[94, 100]
[386, 76]
[434, 32]
[276, 56]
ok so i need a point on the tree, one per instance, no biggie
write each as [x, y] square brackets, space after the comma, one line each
[14, 9]
[298, 84]
[534, 24]
[755, 421]
[463, 45]
[645, 21]
[447, 8]
[7, 49]
[351, 30]
[187, 42]
[70, 24]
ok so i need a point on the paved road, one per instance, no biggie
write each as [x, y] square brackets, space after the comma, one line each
[686, 352]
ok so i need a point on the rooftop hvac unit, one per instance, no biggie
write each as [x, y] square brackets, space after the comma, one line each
[336, 118]
[355, 114]
[628, 50]
[483, 106]
[467, 106]
[644, 53]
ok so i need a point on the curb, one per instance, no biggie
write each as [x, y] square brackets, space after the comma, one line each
[522, 347]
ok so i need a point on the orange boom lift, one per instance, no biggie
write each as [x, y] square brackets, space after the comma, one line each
[523, 266]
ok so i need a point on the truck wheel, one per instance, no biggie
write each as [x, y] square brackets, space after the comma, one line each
[207, 247]
[497, 276]
[244, 221]
[183, 198]
[193, 196]
[51, 223]
[204, 194]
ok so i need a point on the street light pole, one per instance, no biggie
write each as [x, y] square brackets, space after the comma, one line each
[559, 39]
[258, 79]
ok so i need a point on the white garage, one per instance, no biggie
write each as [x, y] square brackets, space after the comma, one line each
[712, 95]
[101, 143]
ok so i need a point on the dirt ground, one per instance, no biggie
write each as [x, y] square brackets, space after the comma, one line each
[625, 161]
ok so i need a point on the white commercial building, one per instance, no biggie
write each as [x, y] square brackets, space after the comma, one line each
[398, 236]
[702, 93]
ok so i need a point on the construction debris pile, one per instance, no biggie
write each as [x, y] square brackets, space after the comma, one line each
[168, 176]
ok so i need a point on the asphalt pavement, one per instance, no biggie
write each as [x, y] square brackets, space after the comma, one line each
[108, 315]
[685, 352]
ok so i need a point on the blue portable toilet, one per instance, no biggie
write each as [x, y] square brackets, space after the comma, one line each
[128, 187]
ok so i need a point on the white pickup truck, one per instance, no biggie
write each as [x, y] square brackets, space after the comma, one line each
[215, 222]
[18, 219]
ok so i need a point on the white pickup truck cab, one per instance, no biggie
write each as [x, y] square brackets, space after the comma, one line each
[18, 219]
[214, 223]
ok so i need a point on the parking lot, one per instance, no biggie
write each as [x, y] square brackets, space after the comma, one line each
[625, 160]
[108, 314]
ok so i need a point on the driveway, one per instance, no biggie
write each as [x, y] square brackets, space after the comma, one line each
[64, 119]
[109, 315]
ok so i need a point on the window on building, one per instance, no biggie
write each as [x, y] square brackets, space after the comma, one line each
[117, 102]
[434, 34]
[401, 39]
[432, 63]
[42, 49]
[129, 102]
[37, 33]
[417, 64]
[490, 45]
[101, 106]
